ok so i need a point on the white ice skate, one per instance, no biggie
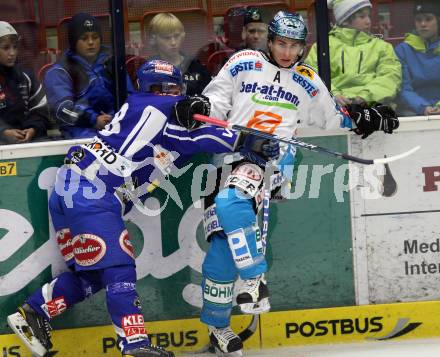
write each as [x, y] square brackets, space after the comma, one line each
[253, 297]
[225, 342]
[32, 329]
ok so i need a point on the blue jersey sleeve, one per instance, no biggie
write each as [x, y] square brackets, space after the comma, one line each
[206, 138]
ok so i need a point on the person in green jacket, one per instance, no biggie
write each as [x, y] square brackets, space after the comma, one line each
[364, 69]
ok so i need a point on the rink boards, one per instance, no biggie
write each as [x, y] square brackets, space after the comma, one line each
[328, 246]
[403, 321]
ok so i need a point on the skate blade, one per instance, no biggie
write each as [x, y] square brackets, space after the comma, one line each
[220, 353]
[256, 308]
[16, 322]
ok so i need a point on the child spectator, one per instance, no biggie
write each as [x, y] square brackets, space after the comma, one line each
[166, 34]
[420, 58]
[364, 69]
[80, 85]
[23, 106]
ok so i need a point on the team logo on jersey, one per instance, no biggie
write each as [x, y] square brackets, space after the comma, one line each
[242, 54]
[105, 152]
[272, 96]
[163, 159]
[125, 243]
[64, 240]
[265, 121]
[305, 72]
[55, 307]
[311, 90]
[246, 66]
[88, 249]
[133, 327]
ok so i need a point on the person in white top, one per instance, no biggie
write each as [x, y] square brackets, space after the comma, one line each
[275, 93]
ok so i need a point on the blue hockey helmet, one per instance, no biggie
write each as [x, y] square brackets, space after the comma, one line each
[160, 73]
[289, 25]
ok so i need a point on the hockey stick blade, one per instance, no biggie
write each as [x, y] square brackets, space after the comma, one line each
[250, 329]
[386, 160]
[302, 144]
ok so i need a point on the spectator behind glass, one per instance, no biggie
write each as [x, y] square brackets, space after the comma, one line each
[23, 105]
[420, 58]
[254, 33]
[364, 69]
[166, 35]
[80, 85]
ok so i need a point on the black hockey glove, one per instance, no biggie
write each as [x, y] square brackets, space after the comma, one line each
[258, 150]
[369, 120]
[185, 109]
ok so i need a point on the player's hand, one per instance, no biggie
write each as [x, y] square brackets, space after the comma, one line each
[359, 101]
[102, 120]
[342, 101]
[259, 150]
[185, 109]
[368, 120]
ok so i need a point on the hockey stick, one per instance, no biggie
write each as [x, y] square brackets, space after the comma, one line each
[303, 144]
[247, 332]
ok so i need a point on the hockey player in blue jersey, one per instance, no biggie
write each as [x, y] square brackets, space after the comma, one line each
[100, 179]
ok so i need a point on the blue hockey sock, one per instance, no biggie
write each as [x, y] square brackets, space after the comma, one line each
[219, 274]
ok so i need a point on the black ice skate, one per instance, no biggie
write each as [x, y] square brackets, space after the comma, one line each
[225, 342]
[147, 351]
[33, 330]
[253, 297]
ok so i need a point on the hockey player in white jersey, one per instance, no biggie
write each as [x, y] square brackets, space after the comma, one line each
[275, 93]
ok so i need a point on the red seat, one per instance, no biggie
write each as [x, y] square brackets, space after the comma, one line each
[137, 8]
[52, 11]
[132, 64]
[31, 45]
[218, 59]
[393, 18]
[42, 71]
[17, 10]
[220, 7]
